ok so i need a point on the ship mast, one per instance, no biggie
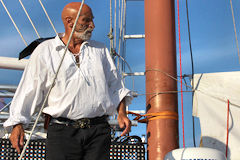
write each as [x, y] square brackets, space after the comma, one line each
[160, 47]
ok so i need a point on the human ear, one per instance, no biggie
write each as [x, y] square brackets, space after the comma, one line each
[69, 21]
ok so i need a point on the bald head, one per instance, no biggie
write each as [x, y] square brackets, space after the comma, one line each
[71, 10]
[84, 26]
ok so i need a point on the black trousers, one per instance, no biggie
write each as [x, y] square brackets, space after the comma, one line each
[69, 143]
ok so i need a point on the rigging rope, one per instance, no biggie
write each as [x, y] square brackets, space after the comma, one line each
[227, 127]
[115, 53]
[6, 106]
[203, 92]
[124, 29]
[110, 35]
[119, 17]
[119, 22]
[29, 18]
[180, 61]
[52, 85]
[120, 30]
[115, 24]
[190, 47]
[13, 22]
[48, 16]
[235, 31]
[167, 74]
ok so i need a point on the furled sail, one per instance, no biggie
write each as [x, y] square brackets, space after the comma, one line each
[212, 93]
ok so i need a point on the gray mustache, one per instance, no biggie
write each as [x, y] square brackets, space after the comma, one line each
[88, 30]
[85, 28]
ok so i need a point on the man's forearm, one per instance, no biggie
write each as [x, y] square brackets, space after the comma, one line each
[123, 120]
[122, 107]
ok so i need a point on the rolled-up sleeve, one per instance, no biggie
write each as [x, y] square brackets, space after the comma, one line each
[115, 82]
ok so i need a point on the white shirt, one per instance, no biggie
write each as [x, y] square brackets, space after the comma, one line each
[93, 89]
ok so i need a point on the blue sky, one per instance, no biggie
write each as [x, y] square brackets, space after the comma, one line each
[212, 34]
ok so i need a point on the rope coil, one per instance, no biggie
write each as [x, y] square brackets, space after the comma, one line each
[154, 116]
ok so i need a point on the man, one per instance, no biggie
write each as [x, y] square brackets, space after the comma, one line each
[87, 90]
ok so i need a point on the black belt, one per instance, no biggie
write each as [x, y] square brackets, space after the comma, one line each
[80, 123]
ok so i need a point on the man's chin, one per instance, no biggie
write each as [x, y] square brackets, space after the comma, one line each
[86, 38]
[83, 37]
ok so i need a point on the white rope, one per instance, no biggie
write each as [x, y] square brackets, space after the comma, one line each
[120, 26]
[55, 77]
[167, 74]
[119, 22]
[128, 67]
[115, 24]
[119, 14]
[110, 12]
[124, 29]
[110, 35]
[120, 31]
[235, 31]
[6, 106]
[29, 18]
[14, 23]
[48, 16]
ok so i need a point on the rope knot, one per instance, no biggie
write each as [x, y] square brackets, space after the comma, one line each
[110, 35]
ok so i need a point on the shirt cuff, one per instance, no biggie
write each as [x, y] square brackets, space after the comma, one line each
[127, 94]
[8, 125]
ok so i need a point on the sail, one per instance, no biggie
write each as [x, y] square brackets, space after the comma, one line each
[213, 90]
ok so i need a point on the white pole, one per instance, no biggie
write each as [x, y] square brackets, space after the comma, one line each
[12, 63]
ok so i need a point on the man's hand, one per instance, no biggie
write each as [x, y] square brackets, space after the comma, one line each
[17, 137]
[123, 120]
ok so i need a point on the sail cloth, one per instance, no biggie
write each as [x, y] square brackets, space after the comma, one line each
[213, 90]
[30, 48]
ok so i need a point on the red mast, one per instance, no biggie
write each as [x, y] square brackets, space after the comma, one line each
[160, 44]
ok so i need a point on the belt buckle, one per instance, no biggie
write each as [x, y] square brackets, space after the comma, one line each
[82, 123]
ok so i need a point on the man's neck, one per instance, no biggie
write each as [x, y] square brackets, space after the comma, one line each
[74, 45]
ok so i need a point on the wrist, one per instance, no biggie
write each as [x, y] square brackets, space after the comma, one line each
[122, 111]
[18, 125]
